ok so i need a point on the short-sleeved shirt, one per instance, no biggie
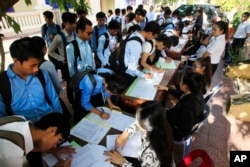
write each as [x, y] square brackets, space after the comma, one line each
[147, 47]
[216, 47]
[242, 30]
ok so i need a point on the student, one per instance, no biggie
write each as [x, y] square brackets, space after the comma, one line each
[129, 9]
[151, 14]
[109, 16]
[117, 17]
[42, 136]
[47, 65]
[90, 97]
[98, 30]
[123, 19]
[133, 51]
[49, 29]
[27, 91]
[188, 109]
[85, 60]
[107, 42]
[217, 44]
[157, 143]
[139, 17]
[56, 51]
[151, 51]
[242, 32]
[81, 13]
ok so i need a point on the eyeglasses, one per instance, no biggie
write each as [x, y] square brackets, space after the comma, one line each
[89, 33]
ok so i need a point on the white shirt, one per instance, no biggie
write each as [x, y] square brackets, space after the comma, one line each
[132, 55]
[147, 47]
[242, 30]
[216, 48]
[12, 155]
[130, 24]
[151, 16]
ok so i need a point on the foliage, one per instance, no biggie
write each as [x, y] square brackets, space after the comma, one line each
[236, 19]
[227, 5]
[238, 54]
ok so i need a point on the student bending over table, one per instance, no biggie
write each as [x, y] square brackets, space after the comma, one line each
[157, 141]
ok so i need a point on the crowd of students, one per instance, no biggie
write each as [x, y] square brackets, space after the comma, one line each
[77, 46]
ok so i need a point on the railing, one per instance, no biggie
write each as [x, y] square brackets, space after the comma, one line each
[28, 21]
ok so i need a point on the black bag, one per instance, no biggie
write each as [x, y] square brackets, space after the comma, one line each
[77, 77]
[116, 58]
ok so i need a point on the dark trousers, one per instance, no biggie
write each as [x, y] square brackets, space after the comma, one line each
[237, 44]
[34, 159]
[214, 67]
[129, 79]
[79, 111]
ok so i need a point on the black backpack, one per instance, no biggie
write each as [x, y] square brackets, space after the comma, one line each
[77, 77]
[116, 58]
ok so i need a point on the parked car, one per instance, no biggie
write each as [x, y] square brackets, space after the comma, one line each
[213, 12]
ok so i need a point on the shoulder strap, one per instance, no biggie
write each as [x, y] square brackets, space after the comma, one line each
[76, 53]
[96, 34]
[152, 45]
[5, 91]
[42, 80]
[92, 79]
[106, 44]
[45, 28]
[63, 38]
[14, 137]
[136, 38]
[58, 28]
[11, 119]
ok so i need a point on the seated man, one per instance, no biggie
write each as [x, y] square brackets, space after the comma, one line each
[42, 136]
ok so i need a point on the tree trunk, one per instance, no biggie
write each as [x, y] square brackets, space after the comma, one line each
[2, 54]
[6, 4]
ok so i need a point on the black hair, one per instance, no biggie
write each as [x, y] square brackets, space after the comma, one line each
[223, 26]
[48, 14]
[69, 17]
[167, 42]
[246, 13]
[140, 12]
[195, 82]
[113, 24]
[117, 11]
[81, 24]
[129, 8]
[152, 117]
[167, 11]
[100, 15]
[206, 62]
[204, 36]
[25, 48]
[153, 27]
[130, 16]
[176, 12]
[116, 84]
[123, 11]
[110, 11]
[134, 28]
[81, 11]
[140, 6]
[175, 40]
[55, 119]
[39, 42]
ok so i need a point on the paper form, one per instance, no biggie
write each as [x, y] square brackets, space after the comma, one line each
[89, 131]
[90, 155]
[117, 120]
[165, 65]
[132, 147]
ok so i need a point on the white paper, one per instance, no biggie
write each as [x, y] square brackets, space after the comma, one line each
[90, 155]
[89, 131]
[132, 147]
[117, 120]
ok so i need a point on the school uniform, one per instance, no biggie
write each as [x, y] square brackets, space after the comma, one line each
[240, 35]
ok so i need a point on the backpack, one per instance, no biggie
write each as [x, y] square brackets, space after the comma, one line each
[97, 33]
[45, 29]
[106, 44]
[14, 137]
[116, 58]
[5, 90]
[77, 77]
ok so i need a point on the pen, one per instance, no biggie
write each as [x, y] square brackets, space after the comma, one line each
[102, 110]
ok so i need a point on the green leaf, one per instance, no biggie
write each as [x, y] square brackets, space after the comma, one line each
[28, 2]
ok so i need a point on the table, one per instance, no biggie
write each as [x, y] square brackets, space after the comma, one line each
[176, 52]
[169, 75]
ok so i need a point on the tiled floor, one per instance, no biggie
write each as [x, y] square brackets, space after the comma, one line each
[223, 132]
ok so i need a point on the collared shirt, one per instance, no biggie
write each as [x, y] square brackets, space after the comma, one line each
[51, 29]
[147, 156]
[102, 54]
[101, 30]
[216, 48]
[85, 60]
[242, 30]
[58, 45]
[12, 155]
[132, 55]
[28, 97]
[50, 68]
[123, 22]
[130, 24]
[88, 90]
[151, 16]
[147, 47]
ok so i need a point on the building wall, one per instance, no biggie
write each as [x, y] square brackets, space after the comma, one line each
[21, 6]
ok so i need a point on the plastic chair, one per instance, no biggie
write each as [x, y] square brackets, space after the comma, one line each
[206, 160]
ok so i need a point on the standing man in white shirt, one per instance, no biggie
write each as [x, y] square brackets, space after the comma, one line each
[151, 14]
[242, 32]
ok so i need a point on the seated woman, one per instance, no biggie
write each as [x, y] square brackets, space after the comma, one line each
[90, 96]
[157, 141]
[152, 50]
[188, 110]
